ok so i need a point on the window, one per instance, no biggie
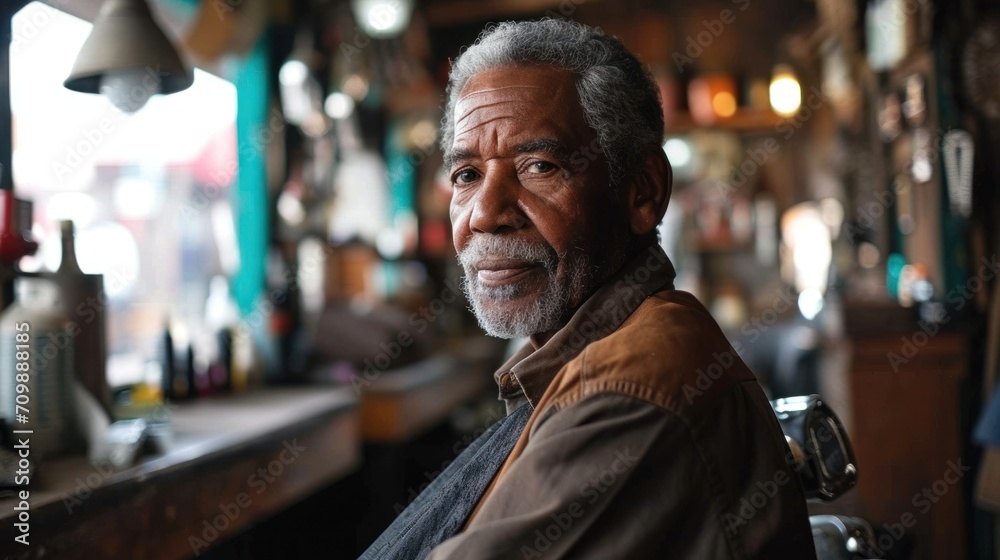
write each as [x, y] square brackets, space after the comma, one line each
[148, 192]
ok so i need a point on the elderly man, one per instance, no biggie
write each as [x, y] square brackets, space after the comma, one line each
[633, 429]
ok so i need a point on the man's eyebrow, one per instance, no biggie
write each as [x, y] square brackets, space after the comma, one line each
[458, 155]
[544, 145]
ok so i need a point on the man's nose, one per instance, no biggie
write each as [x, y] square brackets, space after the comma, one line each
[495, 208]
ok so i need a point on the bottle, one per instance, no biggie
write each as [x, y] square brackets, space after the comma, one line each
[83, 302]
[167, 364]
[38, 354]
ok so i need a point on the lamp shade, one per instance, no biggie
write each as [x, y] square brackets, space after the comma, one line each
[126, 40]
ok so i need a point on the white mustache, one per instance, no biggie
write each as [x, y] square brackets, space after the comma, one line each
[485, 246]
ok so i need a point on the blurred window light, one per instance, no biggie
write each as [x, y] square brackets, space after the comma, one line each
[785, 92]
[78, 207]
[135, 198]
[78, 157]
[107, 248]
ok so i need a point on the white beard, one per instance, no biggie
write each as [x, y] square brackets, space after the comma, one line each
[539, 312]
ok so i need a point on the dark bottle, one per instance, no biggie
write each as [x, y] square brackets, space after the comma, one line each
[168, 363]
[82, 300]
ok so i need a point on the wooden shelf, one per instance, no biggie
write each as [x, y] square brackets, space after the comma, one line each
[744, 121]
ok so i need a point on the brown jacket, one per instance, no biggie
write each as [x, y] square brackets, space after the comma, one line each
[649, 438]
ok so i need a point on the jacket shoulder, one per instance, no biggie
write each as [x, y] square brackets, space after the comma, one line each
[670, 352]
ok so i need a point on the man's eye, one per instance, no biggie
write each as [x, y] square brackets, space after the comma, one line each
[465, 176]
[541, 167]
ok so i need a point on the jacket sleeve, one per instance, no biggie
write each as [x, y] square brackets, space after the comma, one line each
[610, 476]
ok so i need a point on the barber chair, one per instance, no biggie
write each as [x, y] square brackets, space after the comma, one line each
[825, 464]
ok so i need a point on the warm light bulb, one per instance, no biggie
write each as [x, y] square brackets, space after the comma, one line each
[724, 104]
[786, 95]
[130, 88]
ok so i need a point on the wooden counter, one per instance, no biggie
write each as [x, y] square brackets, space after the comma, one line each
[403, 403]
[234, 460]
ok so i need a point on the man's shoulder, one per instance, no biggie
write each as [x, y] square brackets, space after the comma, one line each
[670, 352]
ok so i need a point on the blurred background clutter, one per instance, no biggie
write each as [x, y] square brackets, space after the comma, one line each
[226, 224]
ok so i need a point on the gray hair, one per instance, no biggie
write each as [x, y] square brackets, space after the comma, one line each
[620, 100]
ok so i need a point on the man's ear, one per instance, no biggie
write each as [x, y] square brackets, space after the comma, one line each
[648, 193]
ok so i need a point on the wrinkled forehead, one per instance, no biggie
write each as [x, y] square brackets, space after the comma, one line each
[527, 95]
[477, 106]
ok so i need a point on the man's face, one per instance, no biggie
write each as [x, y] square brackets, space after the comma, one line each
[535, 223]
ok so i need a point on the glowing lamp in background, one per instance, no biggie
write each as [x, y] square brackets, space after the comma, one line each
[785, 92]
[724, 104]
[382, 19]
[338, 105]
[712, 97]
[128, 58]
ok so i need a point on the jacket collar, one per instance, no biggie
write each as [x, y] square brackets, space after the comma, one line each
[527, 374]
